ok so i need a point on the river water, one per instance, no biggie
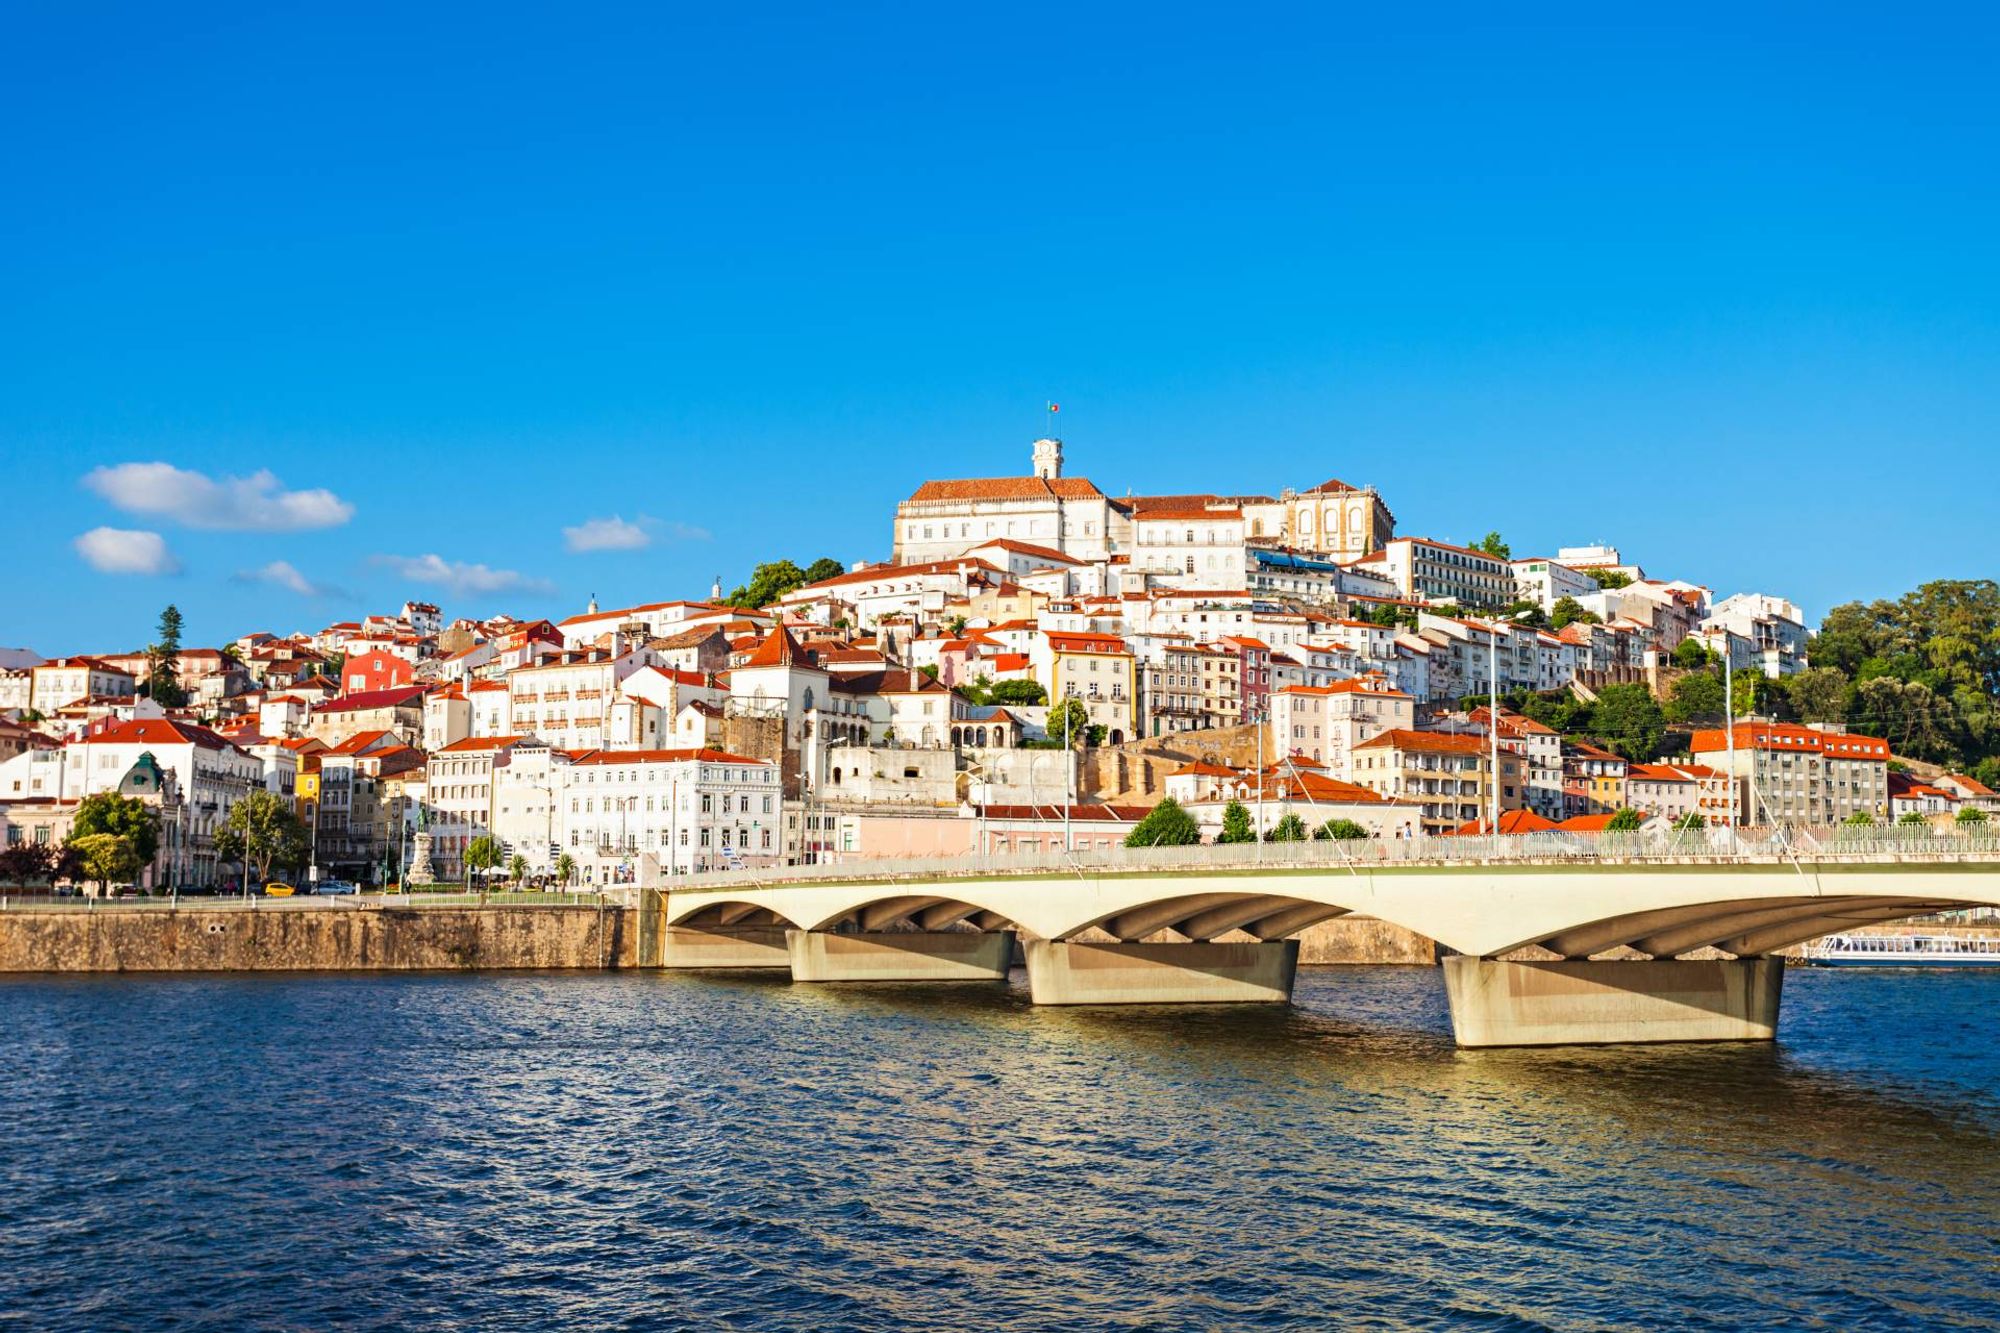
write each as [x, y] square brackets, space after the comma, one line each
[652, 1151]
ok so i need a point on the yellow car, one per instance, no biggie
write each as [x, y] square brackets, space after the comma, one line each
[277, 890]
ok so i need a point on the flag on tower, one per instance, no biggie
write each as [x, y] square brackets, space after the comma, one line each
[1055, 407]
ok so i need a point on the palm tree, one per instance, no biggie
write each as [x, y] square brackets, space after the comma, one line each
[565, 869]
[517, 869]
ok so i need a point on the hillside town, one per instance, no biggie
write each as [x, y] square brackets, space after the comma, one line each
[1039, 664]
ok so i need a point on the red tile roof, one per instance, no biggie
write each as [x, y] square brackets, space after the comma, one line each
[1006, 488]
[1434, 742]
[608, 757]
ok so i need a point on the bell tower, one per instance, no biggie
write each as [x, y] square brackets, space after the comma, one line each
[1048, 459]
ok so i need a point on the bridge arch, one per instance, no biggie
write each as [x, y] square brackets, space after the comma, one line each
[1744, 926]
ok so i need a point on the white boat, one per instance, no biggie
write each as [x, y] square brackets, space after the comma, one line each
[1903, 951]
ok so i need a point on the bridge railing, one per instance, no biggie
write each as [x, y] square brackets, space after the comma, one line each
[1748, 846]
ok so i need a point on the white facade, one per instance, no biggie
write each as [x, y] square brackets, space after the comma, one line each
[630, 816]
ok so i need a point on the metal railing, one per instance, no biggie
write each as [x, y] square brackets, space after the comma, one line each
[1695, 846]
[20, 900]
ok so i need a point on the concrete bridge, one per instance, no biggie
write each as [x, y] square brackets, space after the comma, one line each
[1215, 923]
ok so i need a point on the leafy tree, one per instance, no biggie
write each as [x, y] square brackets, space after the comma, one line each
[1069, 722]
[768, 582]
[1236, 824]
[265, 826]
[1026, 693]
[1568, 611]
[1165, 825]
[1610, 578]
[956, 625]
[26, 862]
[1526, 613]
[1819, 694]
[1859, 819]
[1910, 715]
[1693, 655]
[1493, 546]
[1969, 814]
[1289, 829]
[482, 853]
[1629, 721]
[1691, 822]
[928, 672]
[1697, 695]
[163, 662]
[1913, 819]
[565, 868]
[1340, 830]
[1626, 820]
[1095, 734]
[517, 868]
[824, 568]
[1757, 693]
[126, 817]
[105, 857]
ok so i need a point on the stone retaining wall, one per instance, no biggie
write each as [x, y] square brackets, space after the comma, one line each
[386, 939]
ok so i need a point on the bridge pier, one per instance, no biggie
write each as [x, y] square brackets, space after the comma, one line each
[1073, 972]
[1579, 1002]
[723, 948]
[918, 955]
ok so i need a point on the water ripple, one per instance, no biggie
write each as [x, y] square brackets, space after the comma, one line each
[675, 1152]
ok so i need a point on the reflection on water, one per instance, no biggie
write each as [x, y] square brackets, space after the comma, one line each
[660, 1151]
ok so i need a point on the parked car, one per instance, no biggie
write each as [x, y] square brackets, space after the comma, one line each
[335, 886]
[276, 890]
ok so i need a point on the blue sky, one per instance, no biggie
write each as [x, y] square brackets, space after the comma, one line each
[1721, 288]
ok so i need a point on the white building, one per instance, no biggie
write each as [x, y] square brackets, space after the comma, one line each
[1545, 582]
[633, 816]
[943, 519]
[1773, 628]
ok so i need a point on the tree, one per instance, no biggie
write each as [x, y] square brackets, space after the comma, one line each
[1627, 820]
[26, 862]
[1629, 721]
[1610, 578]
[1568, 611]
[1165, 825]
[768, 582]
[1695, 696]
[1340, 830]
[517, 868]
[1493, 546]
[1236, 824]
[565, 868]
[1068, 722]
[1691, 822]
[1819, 694]
[1859, 819]
[1693, 655]
[163, 662]
[1910, 715]
[1289, 829]
[105, 857]
[1913, 819]
[482, 853]
[956, 624]
[126, 817]
[263, 826]
[1527, 613]
[1969, 814]
[1026, 693]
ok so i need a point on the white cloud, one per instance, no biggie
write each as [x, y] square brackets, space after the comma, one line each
[459, 576]
[256, 503]
[284, 574]
[607, 534]
[615, 534]
[125, 551]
